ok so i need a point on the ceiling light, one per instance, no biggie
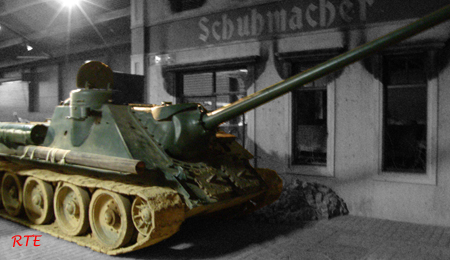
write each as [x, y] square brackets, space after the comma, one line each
[29, 47]
[69, 3]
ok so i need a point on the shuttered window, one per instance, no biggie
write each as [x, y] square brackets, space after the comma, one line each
[198, 84]
[215, 89]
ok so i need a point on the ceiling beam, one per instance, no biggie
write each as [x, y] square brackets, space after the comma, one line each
[16, 6]
[113, 15]
[76, 53]
[62, 29]
[12, 42]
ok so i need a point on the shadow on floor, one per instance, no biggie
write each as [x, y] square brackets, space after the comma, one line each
[209, 238]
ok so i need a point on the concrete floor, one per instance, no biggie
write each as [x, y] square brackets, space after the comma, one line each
[343, 238]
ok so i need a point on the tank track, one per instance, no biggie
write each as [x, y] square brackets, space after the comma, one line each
[168, 208]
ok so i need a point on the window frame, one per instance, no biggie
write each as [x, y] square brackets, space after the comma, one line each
[172, 77]
[432, 84]
[287, 61]
[297, 123]
[214, 96]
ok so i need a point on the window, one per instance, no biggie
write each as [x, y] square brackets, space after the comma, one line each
[214, 89]
[408, 113]
[310, 127]
[14, 96]
[404, 114]
[312, 114]
[312, 147]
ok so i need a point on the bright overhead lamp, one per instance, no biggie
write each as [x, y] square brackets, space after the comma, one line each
[70, 3]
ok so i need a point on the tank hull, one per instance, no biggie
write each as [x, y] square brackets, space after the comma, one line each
[168, 209]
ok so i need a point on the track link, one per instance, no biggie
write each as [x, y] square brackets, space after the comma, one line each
[167, 208]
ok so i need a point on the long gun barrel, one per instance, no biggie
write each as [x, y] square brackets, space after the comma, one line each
[184, 131]
[216, 117]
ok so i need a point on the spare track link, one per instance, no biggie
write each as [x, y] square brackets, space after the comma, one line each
[167, 208]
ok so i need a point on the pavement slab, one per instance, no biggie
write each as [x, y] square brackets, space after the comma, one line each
[341, 238]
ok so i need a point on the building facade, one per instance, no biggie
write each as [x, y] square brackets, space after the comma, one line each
[376, 131]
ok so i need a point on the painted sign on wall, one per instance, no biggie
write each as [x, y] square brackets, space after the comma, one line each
[284, 19]
[281, 18]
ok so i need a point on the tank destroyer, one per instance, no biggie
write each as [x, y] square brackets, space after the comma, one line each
[117, 178]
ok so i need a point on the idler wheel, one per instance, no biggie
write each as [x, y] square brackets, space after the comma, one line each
[71, 209]
[12, 194]
[110, 218]
[143, 216]
[38, 200]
